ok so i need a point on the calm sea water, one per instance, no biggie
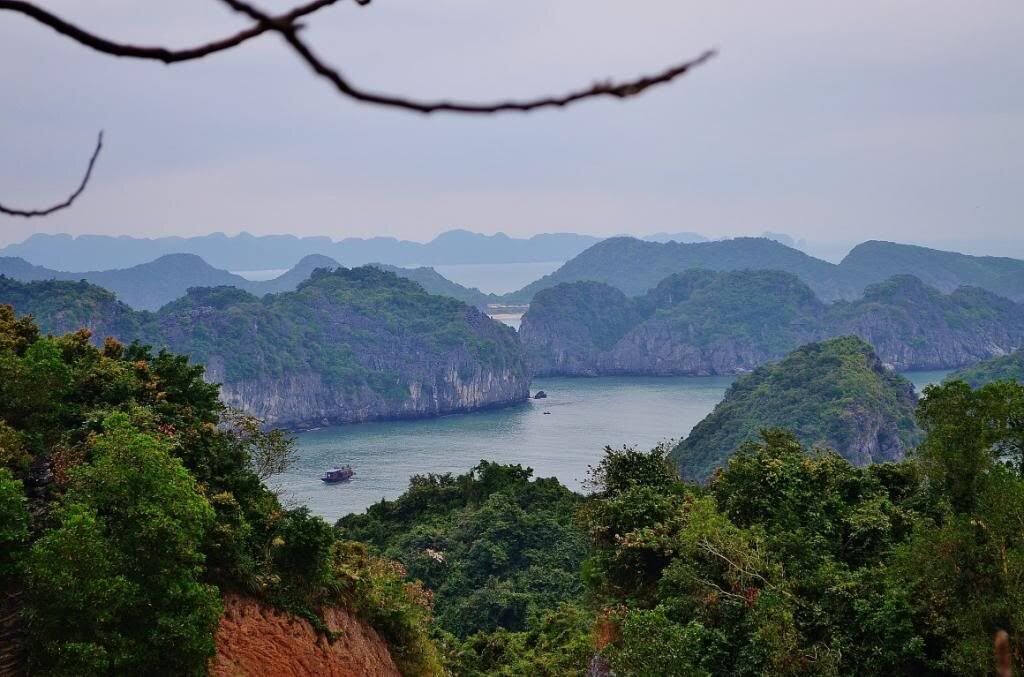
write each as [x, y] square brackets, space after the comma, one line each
[583, 416]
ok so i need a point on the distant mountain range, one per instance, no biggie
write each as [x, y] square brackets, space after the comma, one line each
[636, 266]
[246, 252]
[703, 322]
[628, 264]
[267, 252]
[149, 286]
[348, 345]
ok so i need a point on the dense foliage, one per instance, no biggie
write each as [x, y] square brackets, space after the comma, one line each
[794, 561]
[126, 509]
[501, 555]
[834, 394]
[1006, 368]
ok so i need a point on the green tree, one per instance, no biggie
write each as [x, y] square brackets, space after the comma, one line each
[124, 560]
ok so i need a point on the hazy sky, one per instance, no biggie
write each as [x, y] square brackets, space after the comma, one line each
[829, 121]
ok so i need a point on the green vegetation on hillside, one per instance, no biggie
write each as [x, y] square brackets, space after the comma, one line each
[704, 322]
[126, 510]
[1006, 368]
[635, 266]
[795, 562]
[792, 561]
[502, 557]
[834, 394]
[768, 309]
[363, 330]
[874, 261]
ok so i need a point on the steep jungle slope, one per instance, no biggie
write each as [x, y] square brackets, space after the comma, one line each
[132, 516]
[834, 394]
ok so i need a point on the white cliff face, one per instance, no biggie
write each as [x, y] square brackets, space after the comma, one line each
[349, 346]
[306, 400]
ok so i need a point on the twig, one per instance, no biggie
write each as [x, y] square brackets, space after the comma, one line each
[29, 213]
[622, 90]
[168, 56]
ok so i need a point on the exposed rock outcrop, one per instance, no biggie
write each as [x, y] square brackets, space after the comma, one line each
[256, 640]
[306, 400]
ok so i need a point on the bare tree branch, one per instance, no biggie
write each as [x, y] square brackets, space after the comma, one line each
[168, 56]
[29, 213]
[286, 25]
[618, 90]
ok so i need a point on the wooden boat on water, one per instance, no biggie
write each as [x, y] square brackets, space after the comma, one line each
[335, 475]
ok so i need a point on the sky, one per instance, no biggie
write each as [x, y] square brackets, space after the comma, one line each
[832, 122]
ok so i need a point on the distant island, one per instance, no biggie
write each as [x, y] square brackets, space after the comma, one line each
[636, 266]
[348, 345]
[703, 322]
[267, 252]
[835, 394]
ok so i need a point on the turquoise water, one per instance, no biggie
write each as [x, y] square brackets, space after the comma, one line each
[585, 415]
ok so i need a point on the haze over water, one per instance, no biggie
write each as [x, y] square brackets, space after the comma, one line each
[586, 414]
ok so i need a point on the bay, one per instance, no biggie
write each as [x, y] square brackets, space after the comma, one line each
[583, 416]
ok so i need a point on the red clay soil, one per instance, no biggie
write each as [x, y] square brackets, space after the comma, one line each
[254, 639]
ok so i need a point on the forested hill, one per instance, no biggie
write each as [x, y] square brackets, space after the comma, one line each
[635, 266]
[834, 394]
[347, 346]
[134, 520]
[874, 261]
[703, 322]
[1004, 368]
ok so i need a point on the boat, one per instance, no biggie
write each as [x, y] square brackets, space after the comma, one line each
[334, 475]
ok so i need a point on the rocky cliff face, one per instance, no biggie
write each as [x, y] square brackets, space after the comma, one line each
[306, 400]
[347, 346]
[657, 348]
[912, 326]
[720, 331]
[254, 639]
